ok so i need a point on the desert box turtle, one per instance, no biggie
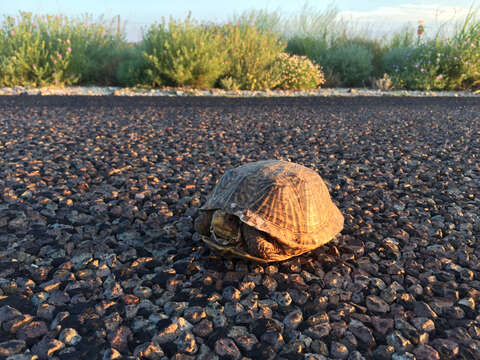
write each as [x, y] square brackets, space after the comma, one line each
[268, 211]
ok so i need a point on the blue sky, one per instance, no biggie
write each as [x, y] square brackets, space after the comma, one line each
[140, 13]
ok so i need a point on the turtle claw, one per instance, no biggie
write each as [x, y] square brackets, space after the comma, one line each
[258, 243]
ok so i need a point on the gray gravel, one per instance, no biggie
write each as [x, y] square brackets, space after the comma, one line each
[99, 259]
[327, 92]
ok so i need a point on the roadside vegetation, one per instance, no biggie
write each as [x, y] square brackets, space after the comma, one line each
[257, 50]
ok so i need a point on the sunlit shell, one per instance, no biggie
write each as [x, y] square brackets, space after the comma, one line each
[286, 200]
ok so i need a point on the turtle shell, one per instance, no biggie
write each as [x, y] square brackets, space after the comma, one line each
[286, 200]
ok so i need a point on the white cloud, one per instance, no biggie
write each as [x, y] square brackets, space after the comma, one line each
[390, 18]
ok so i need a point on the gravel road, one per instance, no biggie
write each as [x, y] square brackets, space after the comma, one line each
[99, 259]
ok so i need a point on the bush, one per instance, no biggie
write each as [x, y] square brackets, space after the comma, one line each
[35, 52]
[97, 50]
[438, 64]
[377, 50]
[184, 54]
[132, 68]
[414, 68]
[296, 72]
[463, 68]
[250, 52]
[384, 83]
[307, 45]
[228, 83]
[434, 66]
[353, 63]
[55, 50]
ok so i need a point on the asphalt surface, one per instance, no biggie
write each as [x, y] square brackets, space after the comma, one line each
[99, 258]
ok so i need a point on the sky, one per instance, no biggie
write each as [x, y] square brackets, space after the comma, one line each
[385, 15]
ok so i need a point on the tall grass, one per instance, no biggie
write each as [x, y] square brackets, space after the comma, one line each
[263, 20]
[467, 44]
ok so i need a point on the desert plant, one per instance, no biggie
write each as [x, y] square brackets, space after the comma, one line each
[97, 47]
[57, 50]
[352, 61]
[35, 52]
[376, 47]
[403, 38]
[323, 25]
[314, 31]
[229, 83]
[438, 63]
[465, 61]
[307, 45]
[383, 83]
[262, 20]
[408, 67]
[132, 68]
[250, 53]
[184, 53]
[429, 66]
[296, 72]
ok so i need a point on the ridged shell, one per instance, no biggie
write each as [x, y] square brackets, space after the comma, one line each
[286, 200]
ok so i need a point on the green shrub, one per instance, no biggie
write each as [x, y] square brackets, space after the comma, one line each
[184, 54]
[416, 68]
[296, 72]
[250, 52]
[438, 63]
[97, 49]
[384, 83]
[377, 49]
[228, 83]
[434, 66]
[408, 67]
[56, 50]
[306, 45]
[463, 69]
[353, 63]
[132, 67]
[35, 52]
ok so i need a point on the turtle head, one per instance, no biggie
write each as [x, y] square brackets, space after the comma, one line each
[230, 236]
[225, 227]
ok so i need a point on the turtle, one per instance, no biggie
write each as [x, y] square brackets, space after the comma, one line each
[268, 211]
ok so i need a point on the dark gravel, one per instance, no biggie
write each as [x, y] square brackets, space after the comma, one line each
[98, 257]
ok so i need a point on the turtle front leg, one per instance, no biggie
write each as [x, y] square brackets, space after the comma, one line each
[258, 243]
[203, 221]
